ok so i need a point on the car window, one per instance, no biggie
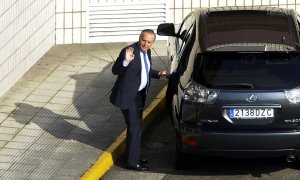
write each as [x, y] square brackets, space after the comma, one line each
[260, 71]
[185, 31]
[186, 51]
[298, 22]
[247, 27]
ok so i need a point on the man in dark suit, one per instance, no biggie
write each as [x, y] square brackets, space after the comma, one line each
[133, 67]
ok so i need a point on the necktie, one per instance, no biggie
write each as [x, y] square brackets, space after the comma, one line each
[146, 66]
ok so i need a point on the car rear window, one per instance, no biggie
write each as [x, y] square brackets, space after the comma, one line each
[250, 26]
[259, 71]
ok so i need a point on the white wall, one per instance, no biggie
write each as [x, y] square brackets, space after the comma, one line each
[27, 31]
[70, 21]
[71, 14]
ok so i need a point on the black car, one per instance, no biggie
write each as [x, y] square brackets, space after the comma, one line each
[234, 84]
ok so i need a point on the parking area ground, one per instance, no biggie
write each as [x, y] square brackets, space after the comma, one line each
[57, 120]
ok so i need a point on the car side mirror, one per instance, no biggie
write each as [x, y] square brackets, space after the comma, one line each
[166, 29]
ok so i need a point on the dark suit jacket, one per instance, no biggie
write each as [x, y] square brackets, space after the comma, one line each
[125, 89]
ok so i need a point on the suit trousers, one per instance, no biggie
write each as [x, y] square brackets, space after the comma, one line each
[133, 119]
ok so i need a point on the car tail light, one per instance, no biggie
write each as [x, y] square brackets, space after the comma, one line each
[196, 93]
[293, 95]
[190, 142]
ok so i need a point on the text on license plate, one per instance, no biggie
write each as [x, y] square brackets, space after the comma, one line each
[251, 113]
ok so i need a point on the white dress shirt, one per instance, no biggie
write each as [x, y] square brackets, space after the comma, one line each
[143, 71]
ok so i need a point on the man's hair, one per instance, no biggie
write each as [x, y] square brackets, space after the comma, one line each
[148, 31]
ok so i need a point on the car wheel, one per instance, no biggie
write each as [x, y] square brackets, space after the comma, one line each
[183, 161]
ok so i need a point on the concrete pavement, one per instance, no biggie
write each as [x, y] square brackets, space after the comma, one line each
[57, 120]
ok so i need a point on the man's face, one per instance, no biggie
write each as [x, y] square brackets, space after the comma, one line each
[146, 41]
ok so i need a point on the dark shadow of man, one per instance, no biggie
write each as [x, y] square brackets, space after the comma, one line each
[95, 117]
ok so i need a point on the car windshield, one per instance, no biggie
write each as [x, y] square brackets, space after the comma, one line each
[258, 71]
[249, 27]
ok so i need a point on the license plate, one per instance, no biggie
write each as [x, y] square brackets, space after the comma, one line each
[251, 113]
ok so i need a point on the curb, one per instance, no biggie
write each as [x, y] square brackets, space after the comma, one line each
[117, 148]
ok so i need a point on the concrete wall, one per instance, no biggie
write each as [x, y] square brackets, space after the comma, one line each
[27, 31]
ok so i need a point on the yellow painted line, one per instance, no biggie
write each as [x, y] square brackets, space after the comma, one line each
[115, 150]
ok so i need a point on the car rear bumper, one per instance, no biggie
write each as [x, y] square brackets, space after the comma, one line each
[242, 144]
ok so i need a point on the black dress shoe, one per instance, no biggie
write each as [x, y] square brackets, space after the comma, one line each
[143, 161]
[138, 167]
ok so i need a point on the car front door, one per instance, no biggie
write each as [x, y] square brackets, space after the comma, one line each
[179, 61]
